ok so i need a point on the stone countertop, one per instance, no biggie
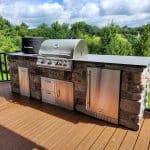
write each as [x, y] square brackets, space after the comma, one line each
[22, 54]
[109, 59]
[112, 59]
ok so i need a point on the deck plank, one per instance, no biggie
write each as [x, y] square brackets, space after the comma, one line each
[130, 139]
[144, 136]
[104, 138]
[116, 139]
[91, 138]
[29, 124]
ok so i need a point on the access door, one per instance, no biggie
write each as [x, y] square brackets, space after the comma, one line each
[103, 86]
[64, 94]
[24, 81]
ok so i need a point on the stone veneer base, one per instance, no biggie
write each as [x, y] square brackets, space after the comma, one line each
[132, 91]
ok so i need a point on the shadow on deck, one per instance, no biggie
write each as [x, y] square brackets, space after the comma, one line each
[29, 124]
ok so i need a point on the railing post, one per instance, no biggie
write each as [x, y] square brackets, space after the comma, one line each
[5, 62]
[1, 67]
[4, 67]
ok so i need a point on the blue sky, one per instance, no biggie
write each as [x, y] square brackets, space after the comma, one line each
[96, 12]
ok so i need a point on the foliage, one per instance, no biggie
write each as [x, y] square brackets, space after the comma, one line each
[107, 33]
[94, 42]
[110, 39]
[119, 45]
[145, 41]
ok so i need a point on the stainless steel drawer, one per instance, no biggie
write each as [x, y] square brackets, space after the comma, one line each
[48, 97]
[47, 84]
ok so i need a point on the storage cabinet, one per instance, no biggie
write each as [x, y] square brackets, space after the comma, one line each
[57, 92]
[64, 94]
[24, 81]
[103, 93]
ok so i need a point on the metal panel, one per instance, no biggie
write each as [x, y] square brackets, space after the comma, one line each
[24, 81]
[94, 77]
[67, 48]
[48, 96]
[47, 84]
[64, 94]
[103, 93]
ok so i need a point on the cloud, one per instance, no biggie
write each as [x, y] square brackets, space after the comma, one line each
[124, 7]
[97, 12]
[90, 10]
[33, 14]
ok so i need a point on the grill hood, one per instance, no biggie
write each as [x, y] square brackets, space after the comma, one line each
[64, 48]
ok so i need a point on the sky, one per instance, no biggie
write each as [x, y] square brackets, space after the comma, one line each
[95, 12]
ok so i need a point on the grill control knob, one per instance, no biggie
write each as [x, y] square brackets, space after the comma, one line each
[49, 63]
[59, 63]
[42, 61]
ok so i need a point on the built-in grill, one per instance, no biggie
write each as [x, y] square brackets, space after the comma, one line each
[58, 53]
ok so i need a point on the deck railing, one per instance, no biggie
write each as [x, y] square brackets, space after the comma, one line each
[4, 69]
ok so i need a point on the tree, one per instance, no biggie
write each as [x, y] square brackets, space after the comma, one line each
[59, 31]
[119, 46]
[80, 27]
[93, 42]
[106, 35]
[22, 30]
[7, 44]
[145, 41]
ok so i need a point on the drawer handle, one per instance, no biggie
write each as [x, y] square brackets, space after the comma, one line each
[49, 93]
[48, 81]
[58, 93]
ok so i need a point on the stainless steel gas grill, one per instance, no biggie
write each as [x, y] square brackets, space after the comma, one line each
[58, 53]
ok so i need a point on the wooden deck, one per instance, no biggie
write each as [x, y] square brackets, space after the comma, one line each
[27, 124]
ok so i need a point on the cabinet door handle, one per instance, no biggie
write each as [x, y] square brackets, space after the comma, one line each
[49, 93]
[58, 93]
[89, 97]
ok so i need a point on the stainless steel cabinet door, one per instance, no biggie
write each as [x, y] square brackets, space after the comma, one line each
[24, 81]
[103, 92]
[64, 94]
[93, 90]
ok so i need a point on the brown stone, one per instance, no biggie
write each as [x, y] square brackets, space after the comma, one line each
[128, 124]
[131, 89]
[130, 106]
[129, 116]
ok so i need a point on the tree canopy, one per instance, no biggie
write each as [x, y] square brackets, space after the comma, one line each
[110, 39]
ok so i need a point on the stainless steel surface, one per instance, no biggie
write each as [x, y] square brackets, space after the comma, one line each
[65, 48]
[57, 92]
[48, 90]
[103, 86]
[58, 54]
[24, 81]
[48, 96]
[54, 63]
[65, 94]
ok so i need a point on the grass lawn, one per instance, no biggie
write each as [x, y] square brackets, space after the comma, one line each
[4, 76]
[148, 102]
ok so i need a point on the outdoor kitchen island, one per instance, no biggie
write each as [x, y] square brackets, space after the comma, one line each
[106, 87]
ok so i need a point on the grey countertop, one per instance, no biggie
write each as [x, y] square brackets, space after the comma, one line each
[110, 59]
[22, 54]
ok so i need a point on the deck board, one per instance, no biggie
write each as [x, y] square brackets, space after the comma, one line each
[28, 124]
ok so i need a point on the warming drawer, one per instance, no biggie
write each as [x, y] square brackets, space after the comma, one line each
[57, 92]
[48, 96]
[47, 84]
